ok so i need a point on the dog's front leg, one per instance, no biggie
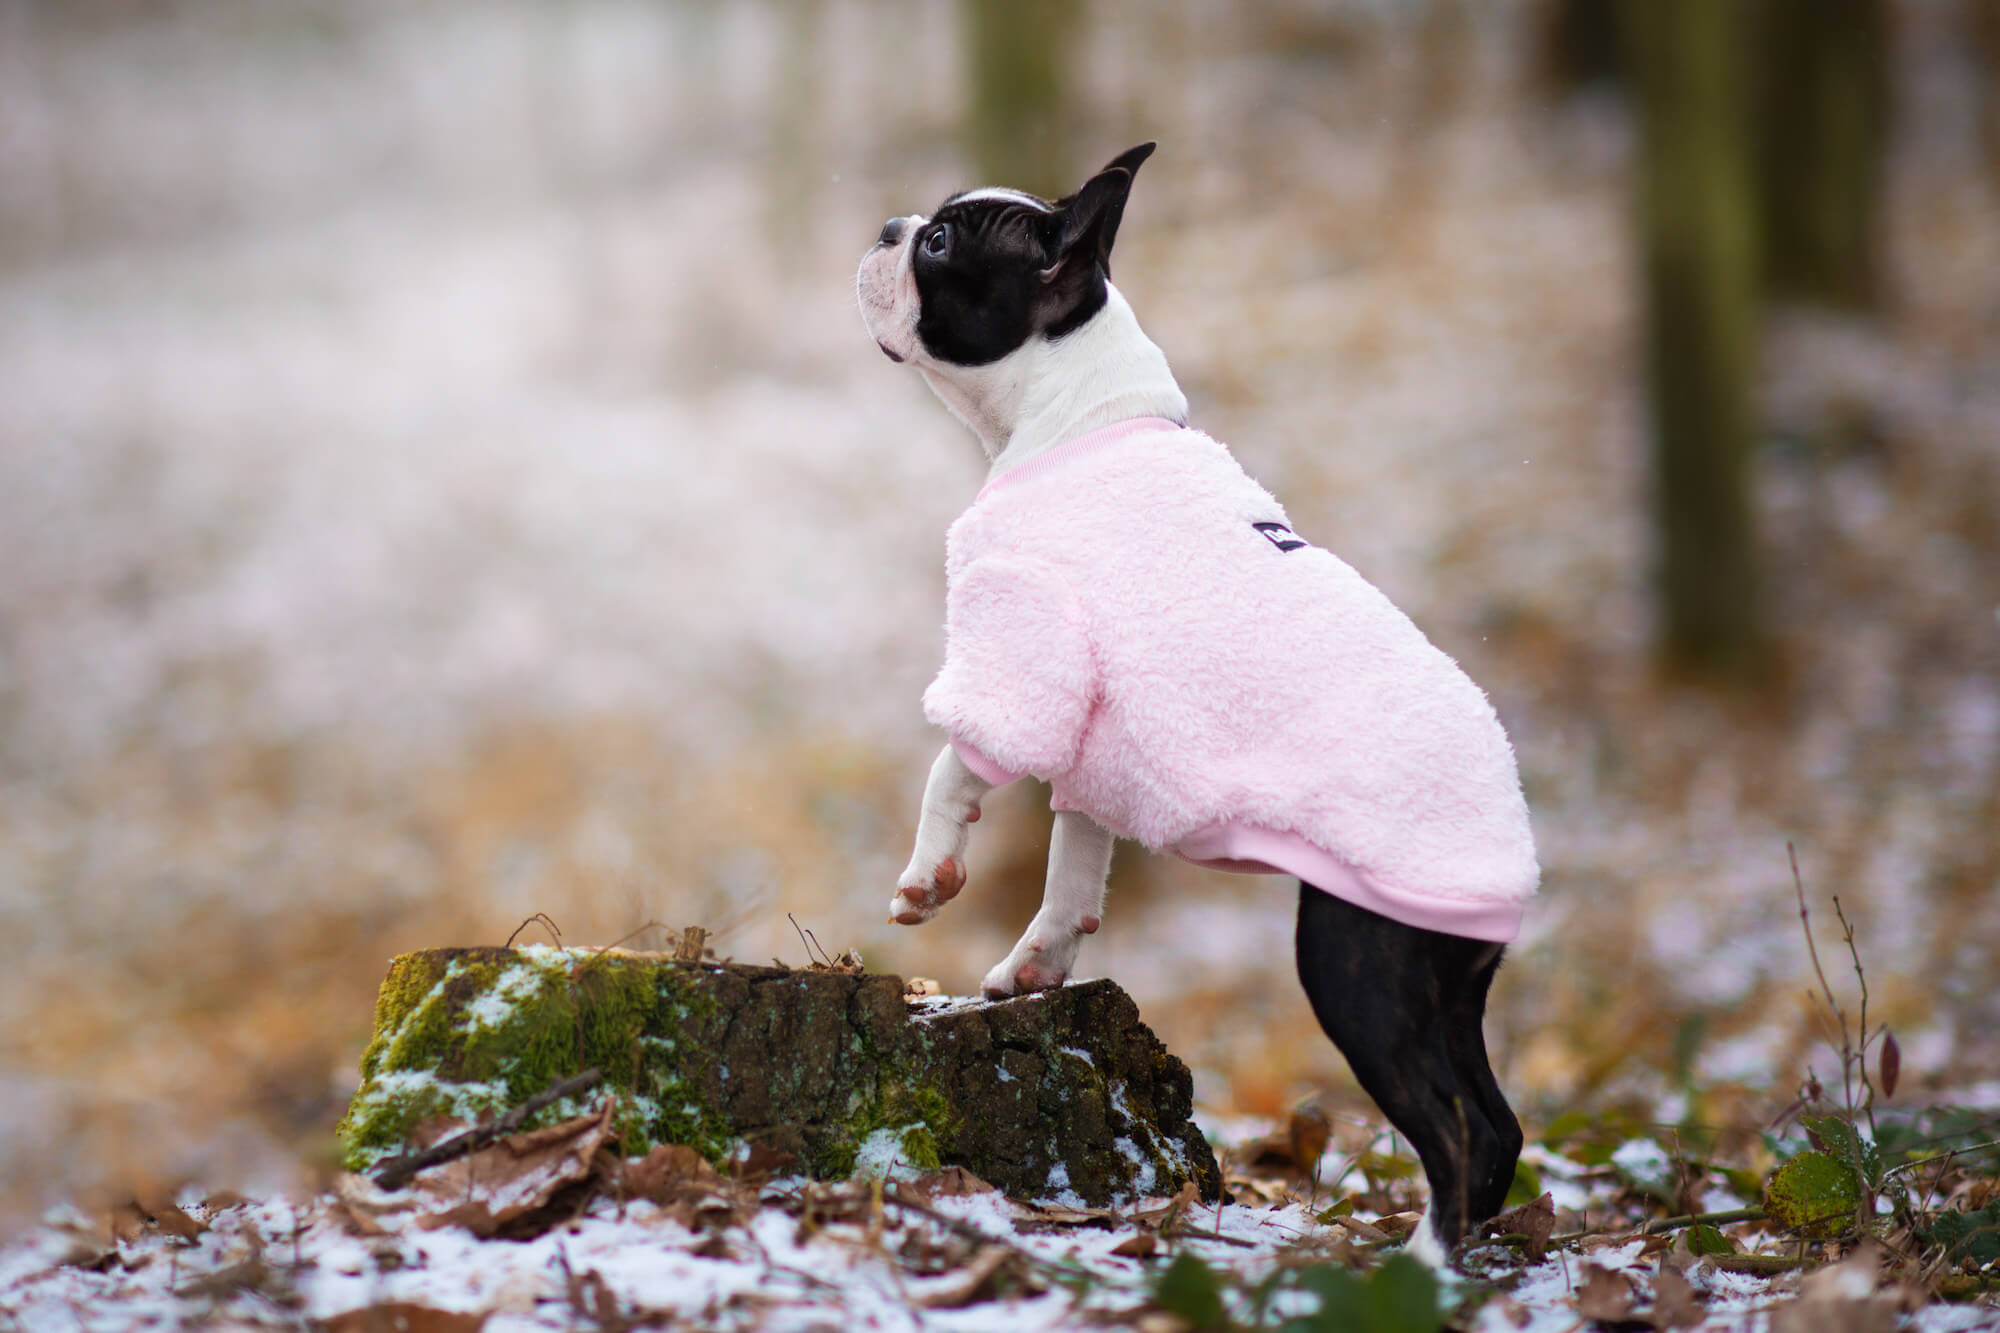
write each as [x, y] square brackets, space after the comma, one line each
[1072, 907]
[937, 867]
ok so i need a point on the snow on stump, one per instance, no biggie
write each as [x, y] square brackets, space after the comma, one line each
[1061, 1095]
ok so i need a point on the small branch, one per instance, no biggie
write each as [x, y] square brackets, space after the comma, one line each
[1757, 1263]
[1661, 1226]
[1665, 1224]
[1940, 1157]
[547, 922]
[398, 1171]
[1861, 1058]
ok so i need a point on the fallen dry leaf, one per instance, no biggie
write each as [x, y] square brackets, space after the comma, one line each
[921, 988]
[953, 1182]
[1605, 1295]
[1675, 1304]
[1139, 1245]
[399, 1317]
[486, 1190]
[1398, 1225]
[1840, 1298]
[1536, 1220]
[1361, 1229]
[1160, 1211]
[1307, 1134]
[667, 1174]
[962, 1287]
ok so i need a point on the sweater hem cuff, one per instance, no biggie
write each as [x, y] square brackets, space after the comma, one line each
[1248, 850]
[983, 765]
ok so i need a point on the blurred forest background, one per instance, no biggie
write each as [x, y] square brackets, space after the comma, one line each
[445, 479]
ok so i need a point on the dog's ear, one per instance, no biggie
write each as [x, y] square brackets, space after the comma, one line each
[1088, 220]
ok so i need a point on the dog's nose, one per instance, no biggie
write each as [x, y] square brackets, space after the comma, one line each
[892, 232]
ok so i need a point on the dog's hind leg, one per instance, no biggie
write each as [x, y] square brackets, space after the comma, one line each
[937, 865]
[1072, 907]
[1491, 1172]
[1395, 999]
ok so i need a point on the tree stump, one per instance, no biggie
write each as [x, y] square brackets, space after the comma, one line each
[1062, 1095]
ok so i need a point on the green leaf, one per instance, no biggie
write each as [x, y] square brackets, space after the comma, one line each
[1343, 1208]
[1405, 1297]
[1401, 1296]
[1814, 1196]
[1189, 1289]
[1969, 1235]
[1704, 1239]
[1841, 1140]
[1527, 1186]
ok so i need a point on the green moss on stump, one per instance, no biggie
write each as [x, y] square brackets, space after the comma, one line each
[1047, 1095]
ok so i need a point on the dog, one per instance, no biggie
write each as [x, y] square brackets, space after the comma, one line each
[1134, 620]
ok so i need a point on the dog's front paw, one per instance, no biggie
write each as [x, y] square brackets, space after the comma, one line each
[920, 893]
[1041, 961]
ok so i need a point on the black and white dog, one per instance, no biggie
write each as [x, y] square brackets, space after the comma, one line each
[1101, 587]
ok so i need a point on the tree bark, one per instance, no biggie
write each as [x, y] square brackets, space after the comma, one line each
[1822, 106]
[1017, 56]
[1697, 229]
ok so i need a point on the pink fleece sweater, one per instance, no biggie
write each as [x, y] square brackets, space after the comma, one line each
[1131, 618]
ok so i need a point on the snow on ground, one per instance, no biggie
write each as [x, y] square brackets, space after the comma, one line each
[808, 1258]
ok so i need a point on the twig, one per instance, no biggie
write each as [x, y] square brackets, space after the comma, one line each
[1663, 1225]
[547, 921]
[398, 1171]
[1861, 1059]
[1757, 1263]
[811, 942]
[1940, 1157]
[1805, 922]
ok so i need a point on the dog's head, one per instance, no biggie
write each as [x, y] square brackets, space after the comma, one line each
[991, 270]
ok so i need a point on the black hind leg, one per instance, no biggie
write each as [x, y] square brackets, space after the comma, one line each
[1491, 1174]
[1404, 1006]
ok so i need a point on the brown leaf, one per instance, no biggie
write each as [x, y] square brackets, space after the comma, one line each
[1605, 1295]
[963, 1287]
[953, 1182]
[1891, 1064]
[169, 1218]
[761, 1162]
[355, 1217]
[1364, 1230]
[1158, 1213]
[486, 1190]
[1306, 1137]
[669, 1173]
[399, 1317]
[1536, 1220]
[1675, 1304]
[1139, 1245]
[1840, 1298]
[1397, 1225]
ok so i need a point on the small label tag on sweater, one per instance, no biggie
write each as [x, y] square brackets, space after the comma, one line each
[1281, 536]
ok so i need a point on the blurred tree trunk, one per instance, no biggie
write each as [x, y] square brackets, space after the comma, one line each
[1822, 105]
[1985, 19]
[1017, 55]
[1578, 44]
[1697, 227]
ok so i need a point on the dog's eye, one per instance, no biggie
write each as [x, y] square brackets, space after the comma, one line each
[938, 241]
